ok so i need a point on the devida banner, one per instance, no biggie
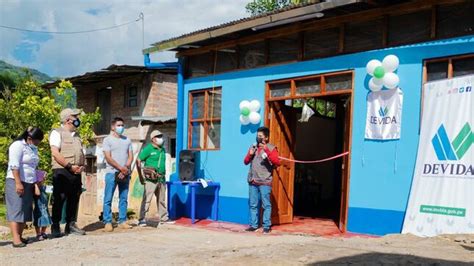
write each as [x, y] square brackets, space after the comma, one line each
[442, 194]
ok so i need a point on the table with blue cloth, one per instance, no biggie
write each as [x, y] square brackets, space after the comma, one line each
[193, 185]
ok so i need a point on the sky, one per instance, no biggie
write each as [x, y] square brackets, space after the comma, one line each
[75, 54]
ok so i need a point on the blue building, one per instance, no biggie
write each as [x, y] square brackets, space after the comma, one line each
[316, 54]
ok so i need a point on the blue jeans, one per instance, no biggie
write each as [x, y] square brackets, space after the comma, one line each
[109, 190]
[255, 193]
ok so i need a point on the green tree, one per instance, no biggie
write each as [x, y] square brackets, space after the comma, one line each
[28, 104]
[257, 7]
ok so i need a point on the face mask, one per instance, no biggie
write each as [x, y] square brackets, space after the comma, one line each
[119, 130]
[159, 141]
[76, 123]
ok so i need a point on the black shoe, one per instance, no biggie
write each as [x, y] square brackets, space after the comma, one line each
[71, 228]
[24, 241]
[20, 245]
[55, 231]
[267, 230]
[251, 229]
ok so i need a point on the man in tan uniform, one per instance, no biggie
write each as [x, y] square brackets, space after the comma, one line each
[68, 164]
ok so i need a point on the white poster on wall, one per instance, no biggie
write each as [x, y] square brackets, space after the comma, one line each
[442, 194]
[384, 114]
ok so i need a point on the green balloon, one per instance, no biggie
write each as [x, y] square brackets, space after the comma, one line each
[245, 111]
[379, 72]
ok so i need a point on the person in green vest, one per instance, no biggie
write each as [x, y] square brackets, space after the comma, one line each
[151, 164]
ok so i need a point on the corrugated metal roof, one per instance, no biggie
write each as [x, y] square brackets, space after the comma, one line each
[237, 21]
[111, 72]
[247, 23]
[155, 119]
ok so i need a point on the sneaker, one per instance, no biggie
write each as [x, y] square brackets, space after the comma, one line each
[142, 223]
[124, 226]
[55, 231]
[167, 221]
[71, 228]
[251, 229]
[266, 230]
[108, 228]
[40, 237]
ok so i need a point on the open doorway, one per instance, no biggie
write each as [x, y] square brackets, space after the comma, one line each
[311, 190]
[318, 186]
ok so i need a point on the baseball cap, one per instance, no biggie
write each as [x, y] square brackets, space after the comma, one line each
[66, 113]
[155, 133]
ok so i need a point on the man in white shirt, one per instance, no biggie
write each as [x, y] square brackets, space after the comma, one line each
[68, 164]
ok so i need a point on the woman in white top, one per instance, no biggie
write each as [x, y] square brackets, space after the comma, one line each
[21, 175]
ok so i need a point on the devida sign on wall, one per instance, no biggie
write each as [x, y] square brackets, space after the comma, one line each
[441, 197]
[384, 114]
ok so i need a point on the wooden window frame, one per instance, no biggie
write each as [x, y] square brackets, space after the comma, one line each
[205, 120]
[449, 59]
[323, 91]
[450, 73]
[127, 96]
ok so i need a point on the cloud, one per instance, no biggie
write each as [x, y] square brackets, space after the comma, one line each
[67, 55]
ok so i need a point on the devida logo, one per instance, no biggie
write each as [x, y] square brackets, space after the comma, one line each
[383, 112]
[383, 118]
[447, 150]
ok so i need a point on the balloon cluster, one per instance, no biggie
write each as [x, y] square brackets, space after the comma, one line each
[383, 73]
[249, 112]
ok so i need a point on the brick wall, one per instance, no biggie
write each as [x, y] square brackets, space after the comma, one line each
[156, 97]
[162, 98]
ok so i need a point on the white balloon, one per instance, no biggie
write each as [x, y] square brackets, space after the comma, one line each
[244, 120]
[371, 65]
[391, 80]
[373, 86]
[254, 106]
[390, 63]
[244, 104]
[254, 118]
[378, 82]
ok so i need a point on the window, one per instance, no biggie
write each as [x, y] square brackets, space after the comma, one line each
[363, 36]
[443, 68]
[339, 82]
[307, 87]
[283, 49]
[131, 96]
[172, 147]
[321, 43]
[200, 65]
[280, 89]
[226, 59]
[455, 20]
[252, 55]
[419, 25]
[205, 119]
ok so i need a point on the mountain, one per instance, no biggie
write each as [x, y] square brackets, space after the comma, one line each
[15, 72]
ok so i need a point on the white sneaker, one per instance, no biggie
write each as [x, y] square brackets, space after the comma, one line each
[142, 223]
[167, 222]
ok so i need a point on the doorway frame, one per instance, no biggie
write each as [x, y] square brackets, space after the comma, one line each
[346, 160]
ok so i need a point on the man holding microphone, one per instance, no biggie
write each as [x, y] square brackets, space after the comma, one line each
[263, 158]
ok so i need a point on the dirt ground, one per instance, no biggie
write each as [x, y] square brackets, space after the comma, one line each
[177, 244]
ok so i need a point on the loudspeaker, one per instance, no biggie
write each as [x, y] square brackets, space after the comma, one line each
[187, 165]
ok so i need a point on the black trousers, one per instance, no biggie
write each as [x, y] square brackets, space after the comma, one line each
[66, 187]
